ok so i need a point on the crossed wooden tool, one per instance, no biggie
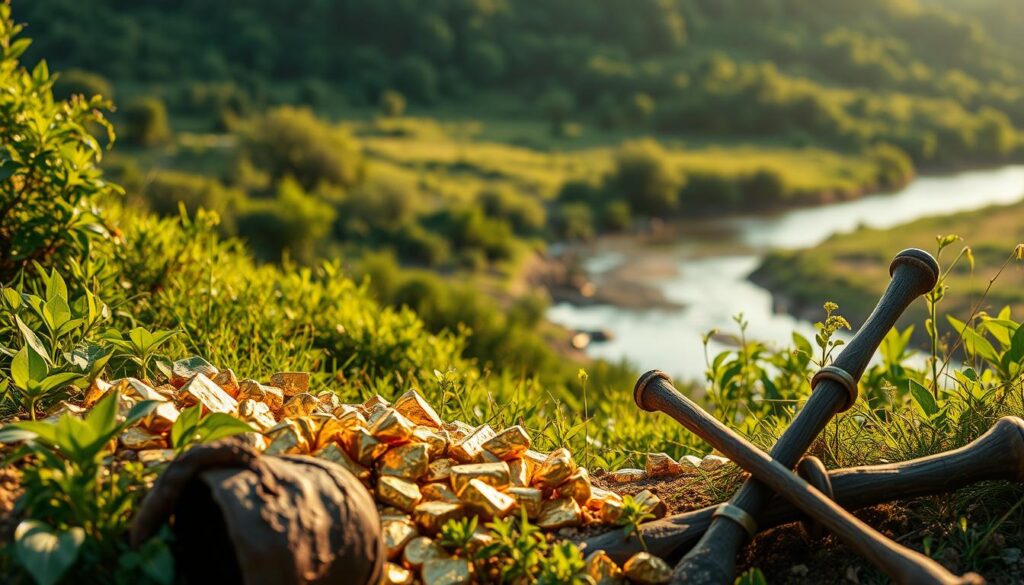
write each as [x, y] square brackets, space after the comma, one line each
[726, 527]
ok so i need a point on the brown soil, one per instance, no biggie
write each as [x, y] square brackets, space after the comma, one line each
[10, 491]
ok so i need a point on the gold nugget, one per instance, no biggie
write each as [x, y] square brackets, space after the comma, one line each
[138, 439]
[287, 437]
[652, 503]
[202, 390]
[332, 452]
[661, 465]
[436, 438]
[625, 476]
[610, 511]
[375, 400]
[518, 472]
[529, 499]
[227, 381]
[508, 444]
[458, 429]
[395, 575]
[602, 569]
[486, 500]
[555, 470]
[257, 414]
[447, 572]
[647, 569]
[431, 516]
[269, 395]
[397, 492]
[366, 448]
[397, 533]
[469, 449]
[407, 461]
[300, 405]
[439, 492]
[392, 427]
[420, 550]
[577, 486]
[153, 457]
[439, 470]
[493, 474]
[418, 410]
[291, 383]
[559, 513]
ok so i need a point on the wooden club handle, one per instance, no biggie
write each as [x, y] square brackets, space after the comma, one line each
[713, 559]
[905, 566]
[996, 455]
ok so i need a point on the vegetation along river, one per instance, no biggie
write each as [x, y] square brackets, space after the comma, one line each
[705, 268]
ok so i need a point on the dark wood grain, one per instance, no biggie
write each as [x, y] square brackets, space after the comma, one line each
[713, 559]
[996, 455]
[903, 565]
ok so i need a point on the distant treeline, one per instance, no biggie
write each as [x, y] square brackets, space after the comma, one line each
[932, 82]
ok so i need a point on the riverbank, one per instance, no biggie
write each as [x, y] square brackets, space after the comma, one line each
[713, 261]
[851, 266]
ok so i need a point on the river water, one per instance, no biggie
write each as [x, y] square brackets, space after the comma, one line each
[711, 261]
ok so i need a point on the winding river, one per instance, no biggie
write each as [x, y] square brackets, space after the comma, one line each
[705, 270]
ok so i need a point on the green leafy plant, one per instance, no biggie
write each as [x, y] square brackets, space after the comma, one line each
[139, 345]
[56, 350]
[74, 502]
[191, 428]
[50, 179]
[827, 328]
[457, 534]
[519, 550]
[634, 513]
[563, 564]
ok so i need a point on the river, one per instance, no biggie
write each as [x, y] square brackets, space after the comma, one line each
[708, 266]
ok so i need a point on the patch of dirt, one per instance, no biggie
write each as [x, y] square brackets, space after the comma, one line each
[681, 493]
[10, 491]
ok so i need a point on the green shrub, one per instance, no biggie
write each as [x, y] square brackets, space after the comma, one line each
[289, 141]
[644, 175]
[392, 104]
[293, 223]
[525, 214]
[50, 181]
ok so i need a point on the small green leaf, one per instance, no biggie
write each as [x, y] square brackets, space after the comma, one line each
[45, 553]
[923, 398]
[33, 340]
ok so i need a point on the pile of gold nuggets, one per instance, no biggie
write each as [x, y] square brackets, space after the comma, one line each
[422, 471]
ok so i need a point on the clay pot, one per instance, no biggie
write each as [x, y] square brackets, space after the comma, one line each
[242, 517]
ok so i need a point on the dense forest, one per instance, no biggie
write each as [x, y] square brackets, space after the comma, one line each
[925, 77]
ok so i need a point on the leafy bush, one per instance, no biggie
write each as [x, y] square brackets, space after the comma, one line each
[645, 177]
[50, 180]
[289, 141]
